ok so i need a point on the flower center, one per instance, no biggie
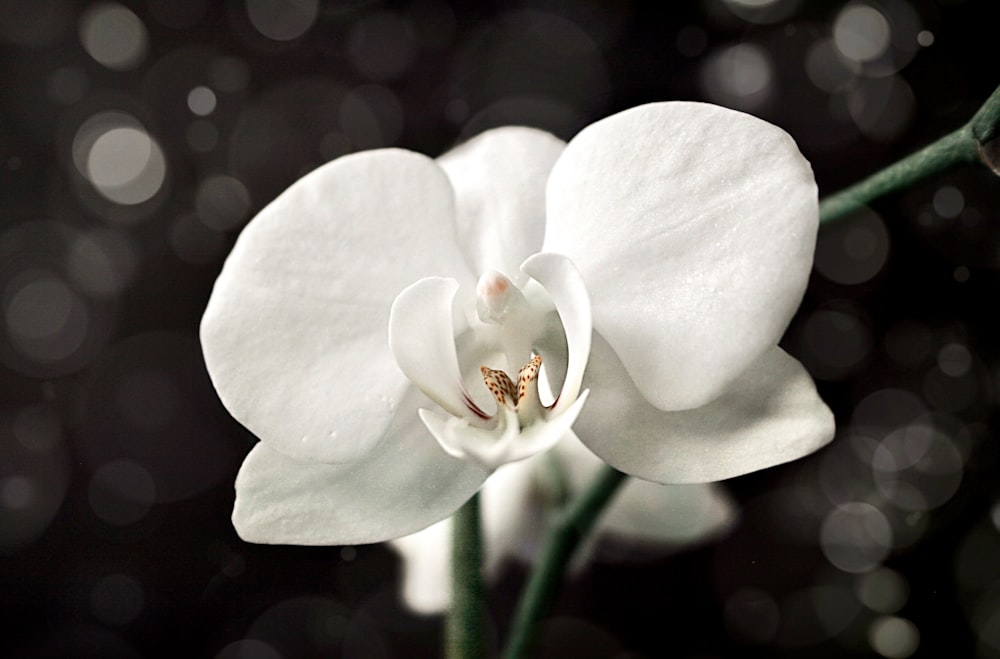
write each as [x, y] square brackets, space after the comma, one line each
[551, 313]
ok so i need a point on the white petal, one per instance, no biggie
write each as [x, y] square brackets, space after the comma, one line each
[404, 484]
[513, 514]
[422, 340]
[654, 515]
[673, 515]
[294, 334]
[487, 447]
[543, 435]
[499, 179]
[771, 415]
[426, 557]
[693, 227]
[562, 280]
[505, 443]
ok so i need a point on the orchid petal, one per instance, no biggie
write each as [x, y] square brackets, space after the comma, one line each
[543, 435]
[506, 443]
[562, 280]
[397, 488]
[422, 339]
[426, 557]
[294, 335]
[694, 228]
[645, 512]
[499, 181]
[652, 513]
[459, 439]
[769, 416]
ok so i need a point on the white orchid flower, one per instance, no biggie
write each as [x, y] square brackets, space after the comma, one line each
[367, 321]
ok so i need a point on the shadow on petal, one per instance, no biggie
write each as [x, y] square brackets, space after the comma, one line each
[403, 485]
[769, 416]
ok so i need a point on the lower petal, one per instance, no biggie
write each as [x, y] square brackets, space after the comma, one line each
[650, 514]
[769, 416]
[404, 484]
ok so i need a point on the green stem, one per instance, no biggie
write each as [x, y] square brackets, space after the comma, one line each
[565, 536]
[464, 637]
[964, 145]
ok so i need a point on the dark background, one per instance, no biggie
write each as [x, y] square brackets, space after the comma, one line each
[136, 139]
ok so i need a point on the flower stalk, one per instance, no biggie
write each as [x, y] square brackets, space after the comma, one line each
[564, 537]
[973, 142]
[464, 637]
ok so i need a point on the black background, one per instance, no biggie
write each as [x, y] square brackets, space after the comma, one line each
[117, 460]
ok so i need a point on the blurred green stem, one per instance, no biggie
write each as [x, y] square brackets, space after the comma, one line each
[973, 142]
[464, 637]
[567, 532]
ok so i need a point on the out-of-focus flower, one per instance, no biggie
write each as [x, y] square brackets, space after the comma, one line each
[682, 233]
[518, 502]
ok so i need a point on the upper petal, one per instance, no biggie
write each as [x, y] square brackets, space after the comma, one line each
[401, 486]
[499, 179]
[562, 281]
[294, 334]
[770, 415]
[422, 340]
[693, 227]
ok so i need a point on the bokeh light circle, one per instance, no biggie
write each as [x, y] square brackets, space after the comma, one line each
[34, 474]
[948, 202]
[201, 101]
[954, 359]
[883, 590]
[119, 158]
[46, 321]
[102, 262]
[826, 68]
[126, 165]
[837, 342]
[855, 250]
[762, 11]
[881, 108]
[121, 492]
[856, 537]
[894, 637]
[861, 32]
[917, 468]
[282, 20]
[739, 76]
[222, 202]
[113, 35]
